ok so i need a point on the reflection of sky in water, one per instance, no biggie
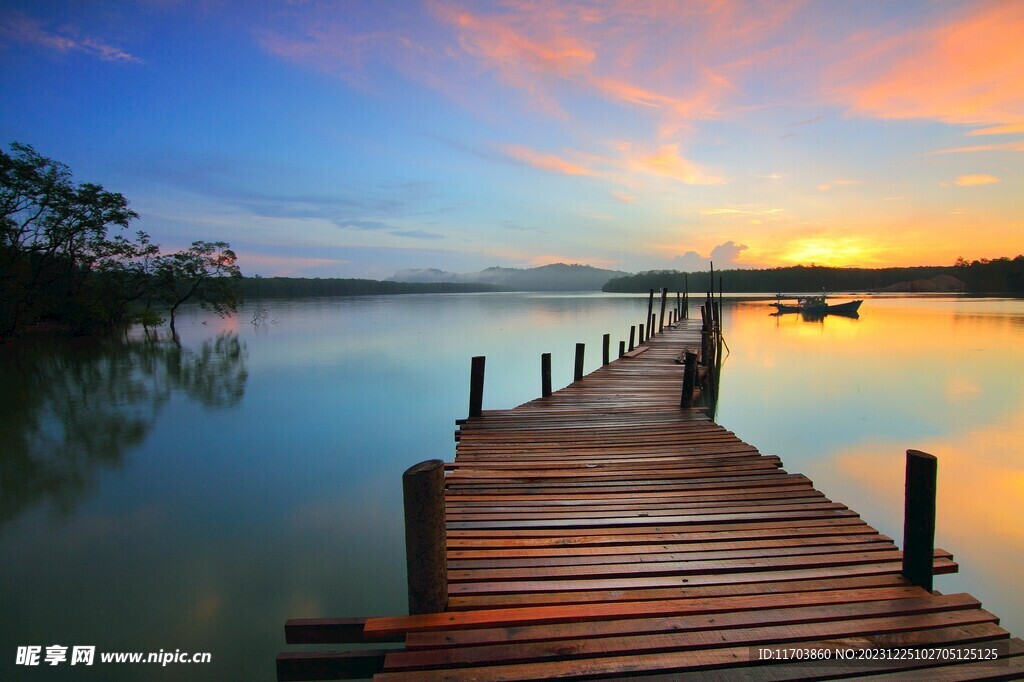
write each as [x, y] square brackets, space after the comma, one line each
[223, 521]
[842, 400]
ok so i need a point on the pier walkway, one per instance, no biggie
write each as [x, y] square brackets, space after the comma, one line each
[603, 531]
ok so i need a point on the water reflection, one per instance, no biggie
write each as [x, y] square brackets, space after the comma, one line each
[71, 410]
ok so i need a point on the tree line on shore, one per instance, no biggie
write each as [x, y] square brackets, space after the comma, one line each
[65, 261]
[1001, 275]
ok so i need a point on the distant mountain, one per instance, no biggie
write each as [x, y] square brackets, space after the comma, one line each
[556, 277]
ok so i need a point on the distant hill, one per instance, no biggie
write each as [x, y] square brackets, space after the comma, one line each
[556, 277]
[301, 287]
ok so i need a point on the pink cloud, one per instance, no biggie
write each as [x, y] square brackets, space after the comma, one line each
[968, 70]
[544, 161]
[20, 28]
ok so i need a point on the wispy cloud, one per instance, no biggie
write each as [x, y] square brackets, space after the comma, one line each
[417, 234]
[1008, 129]
[545, 161]
[19, 28]
[1001, 147]
[974, 180]
[742, 211]
[824, 187]
[666, 161]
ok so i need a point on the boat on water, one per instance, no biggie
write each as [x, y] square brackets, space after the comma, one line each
[816, 305]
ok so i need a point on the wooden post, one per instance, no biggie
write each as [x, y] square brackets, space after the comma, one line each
[578, 371]
[545, 374]
[679, 305]
[606, 341]
[919, 518]
[641, 334]
[686, 296]
[661, 317]
[650, 311]
[426, 557]
[689, 379]
[622, 348]
[654, 322]
[476, 386]
[632, 336]
[720, 304]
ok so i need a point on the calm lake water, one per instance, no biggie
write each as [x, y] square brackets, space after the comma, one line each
[193, 497]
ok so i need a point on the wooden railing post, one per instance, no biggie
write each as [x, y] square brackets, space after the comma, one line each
[919, 518]
[622, 348]
[641, 333]
[661, 317]
[578, 370]
[476, 386]
[632, 336]
[647, 320]
[426, 558]
[606, 341]
[689, 379]
[545, 374]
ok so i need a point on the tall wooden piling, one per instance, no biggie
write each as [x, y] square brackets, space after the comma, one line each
[686, 296]
[476, 386]
[919, 518]
[425, 538]
[578, 370]
[606, 341]
[545, 374]
[661, 317]
[689, 379]
[647, 320]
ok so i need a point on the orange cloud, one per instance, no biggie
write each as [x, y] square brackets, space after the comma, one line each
[623, 197]
[973, 180]
[667, 162]
[970, 70]
[1003, 147]
[543, 161]
[1000, 130]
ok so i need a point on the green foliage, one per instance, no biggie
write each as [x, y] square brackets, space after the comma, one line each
[206, 272]
[998, 276]
[60, 265]
[774, 280]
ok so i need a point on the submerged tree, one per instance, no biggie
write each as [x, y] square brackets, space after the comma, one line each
[206, 272]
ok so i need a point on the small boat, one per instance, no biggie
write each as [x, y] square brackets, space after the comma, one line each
[816, 305]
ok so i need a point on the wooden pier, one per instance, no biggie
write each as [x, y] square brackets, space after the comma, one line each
[603, 531]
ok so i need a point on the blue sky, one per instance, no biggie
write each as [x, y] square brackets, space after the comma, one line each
[358, 138]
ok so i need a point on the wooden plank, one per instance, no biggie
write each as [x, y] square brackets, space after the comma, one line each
[840, 606]
[380, 627]
[685, 661]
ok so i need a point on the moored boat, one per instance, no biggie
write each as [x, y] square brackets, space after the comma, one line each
[816, 305]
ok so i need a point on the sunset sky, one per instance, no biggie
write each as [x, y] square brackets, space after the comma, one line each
[356, 138]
